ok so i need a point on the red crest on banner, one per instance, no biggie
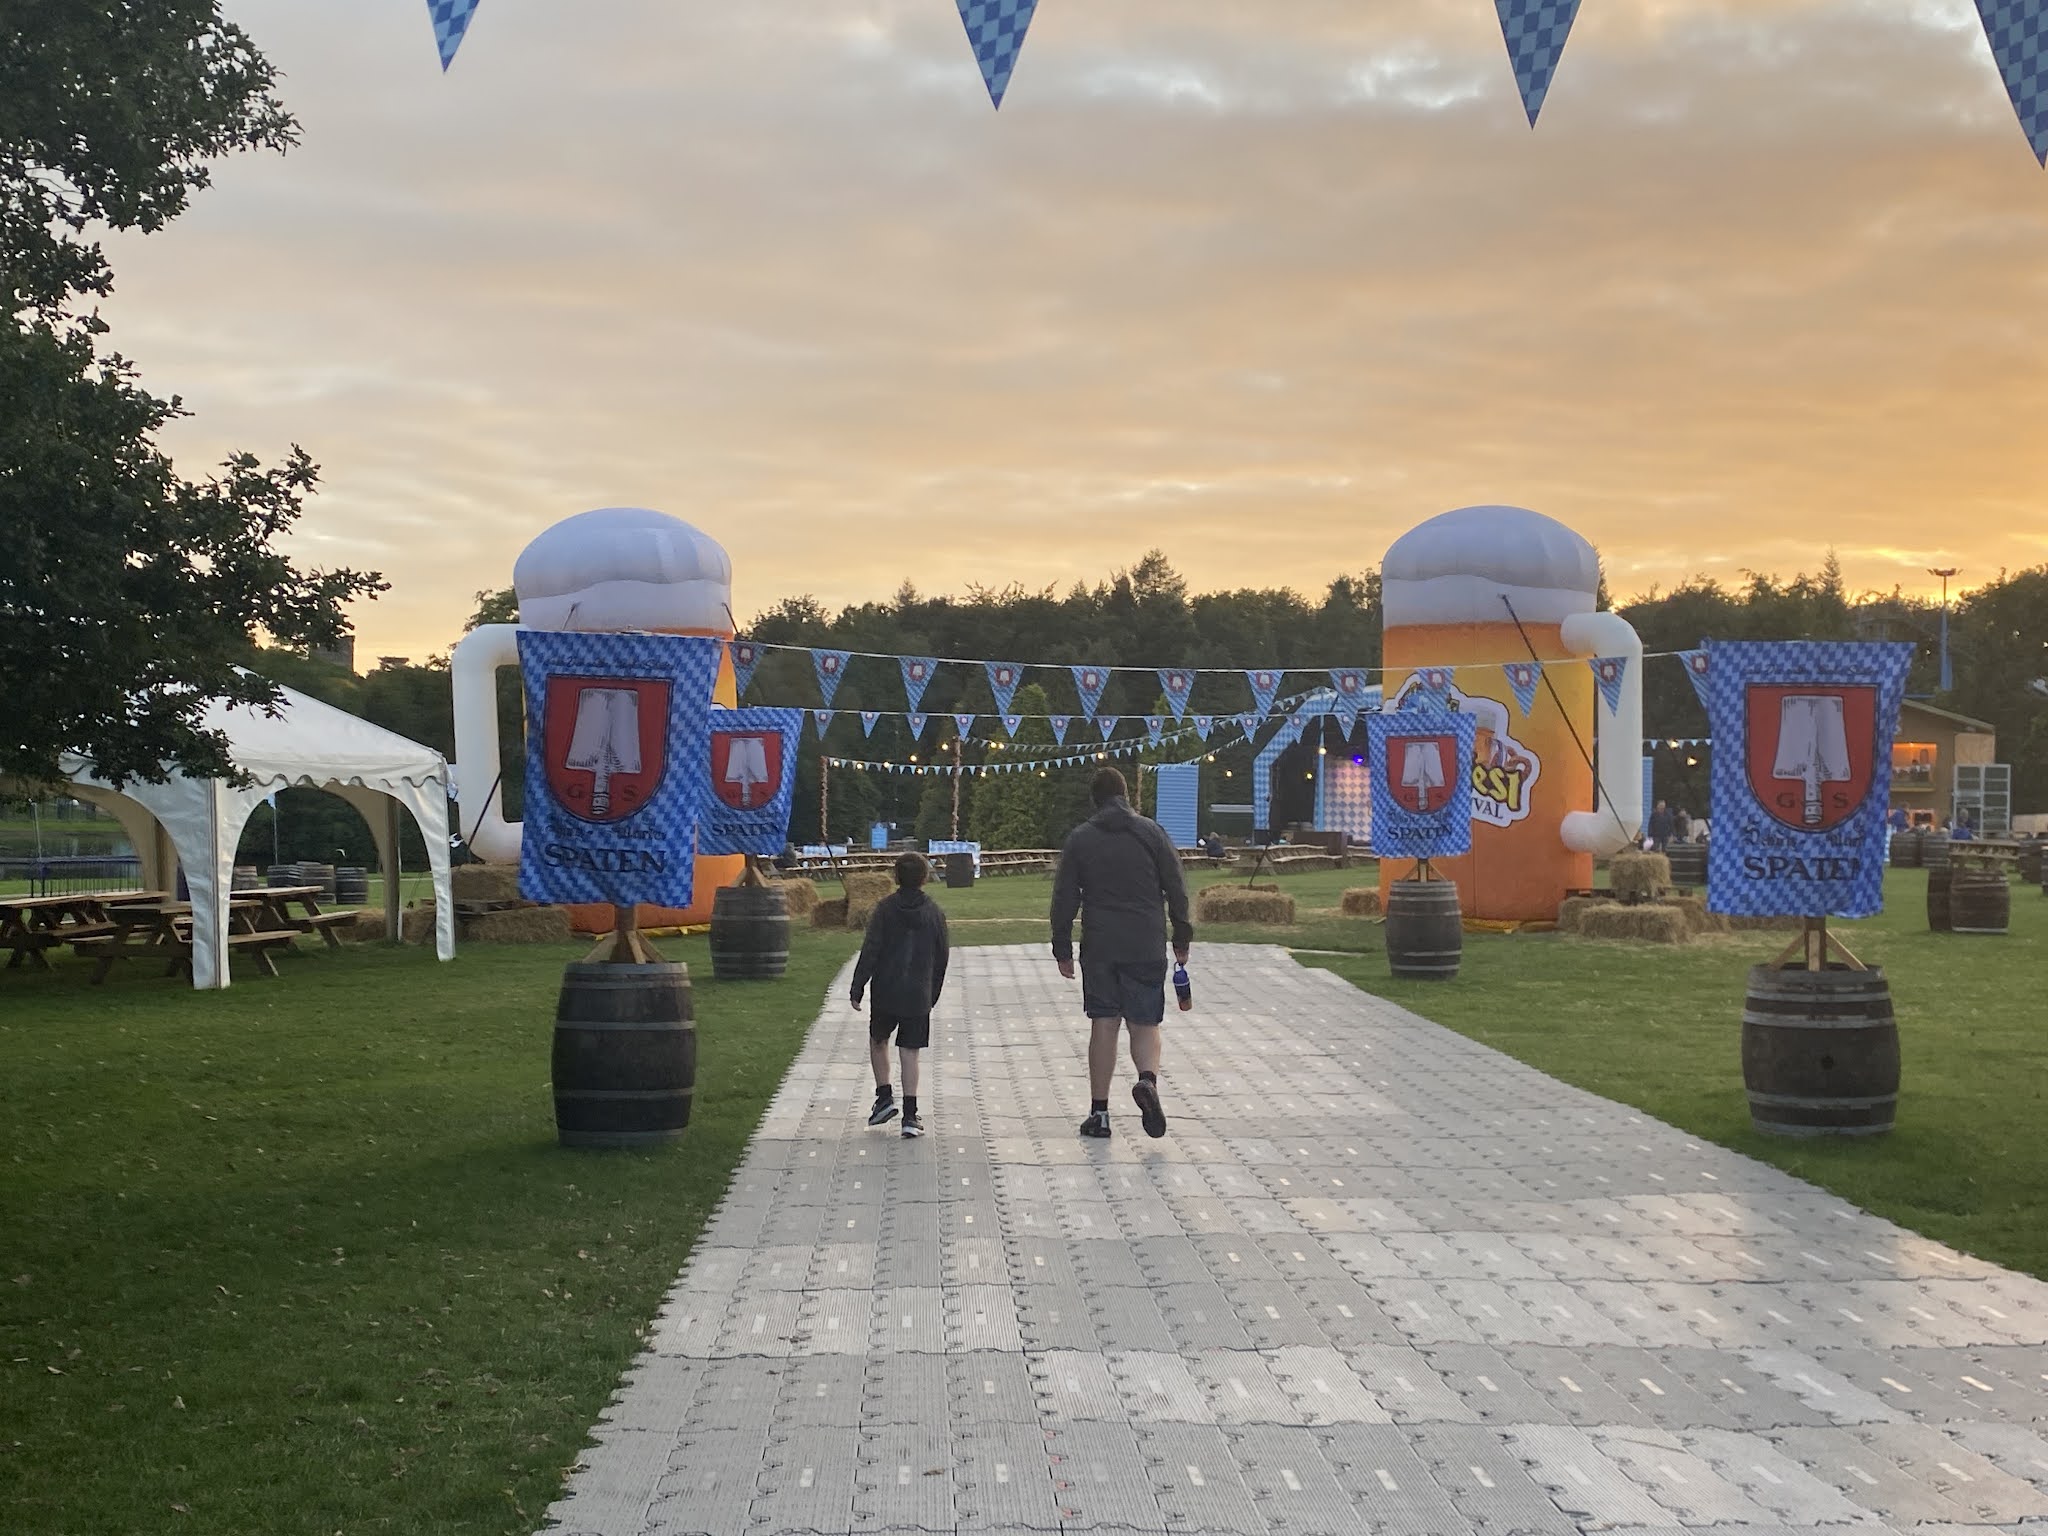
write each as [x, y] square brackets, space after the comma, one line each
[1423, 771]
[604, 743]
[1812, 750]
[746, 767]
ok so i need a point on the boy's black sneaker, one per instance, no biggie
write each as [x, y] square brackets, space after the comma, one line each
[1097, 1123]
[913, 1125]
[884, 1110]
[1153, 1117]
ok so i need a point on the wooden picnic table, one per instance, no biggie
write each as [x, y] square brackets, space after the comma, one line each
[29, 925]
[164, 928]
[277, 901]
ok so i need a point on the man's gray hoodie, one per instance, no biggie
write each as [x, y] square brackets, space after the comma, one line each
[1120, 872]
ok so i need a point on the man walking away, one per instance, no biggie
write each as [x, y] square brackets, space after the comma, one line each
[1660, 827]
[1120, 873]
[904, 957]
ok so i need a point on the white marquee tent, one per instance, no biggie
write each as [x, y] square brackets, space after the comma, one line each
[197, 823]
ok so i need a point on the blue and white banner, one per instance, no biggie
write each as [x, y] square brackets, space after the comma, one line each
[1204, 724]
[615, 751]
[1107, 724]
[1155, 727]
[1059, 725]
[1010, 725]
[746, 657]
[1351, 683]
[964, 724]
[1421, 766]
[995, 30]
[824, 718]
[830, 667]
[868, 717]
[1346, 710]
[1265, 688]
[1696, 668]
[1610, 672]
[2018, 33]
[1524, 677]
[1003, 678]
[917, 676]
[1177, 683]
[1802, 774]
[917, 723]
[1535, 31]
[1088, 684]
[451, 22]
[750, 778]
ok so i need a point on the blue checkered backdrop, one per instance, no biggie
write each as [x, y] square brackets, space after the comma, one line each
[615, 746]
[1421, 762]
[750, 779]
[1802, 774]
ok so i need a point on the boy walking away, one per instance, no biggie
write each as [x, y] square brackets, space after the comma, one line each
[1119, 871]
[904, 959]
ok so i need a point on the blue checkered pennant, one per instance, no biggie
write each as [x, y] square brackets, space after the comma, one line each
[746, 657]
[1088, 684]
[1802, 774]
[1011, 723]
[451, 21]
[831, 669]
[1346, 710]
[2018, 33]
[868, 717]
[1155, 727]
[917, 724]
[823, 717]
[1003, 678]
[964, 724]
[616, 739]
[1204, 724]
[918, 672]
[1610, 672]
[1177, 683]
[1059, 724]
[995, 29]
[1421, 766]
[750, 779]
[1108, 724]
[1696, 669]
[1265, 688]
[1535, 31]
[1524, 677]
[1350, 682]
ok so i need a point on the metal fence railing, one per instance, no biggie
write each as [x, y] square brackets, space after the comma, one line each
[62, 876]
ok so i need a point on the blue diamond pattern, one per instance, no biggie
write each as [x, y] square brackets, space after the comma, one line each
[2018, 33]
[995, 29]
[1535, 31]
[451, 20]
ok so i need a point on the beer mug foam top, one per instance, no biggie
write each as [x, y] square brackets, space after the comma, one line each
[1466, 595]
[612, 570]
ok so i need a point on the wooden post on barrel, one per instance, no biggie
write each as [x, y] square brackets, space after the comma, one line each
[625, 944]
[1811, 949]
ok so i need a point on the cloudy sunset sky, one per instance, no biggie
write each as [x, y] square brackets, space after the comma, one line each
[1260, 282]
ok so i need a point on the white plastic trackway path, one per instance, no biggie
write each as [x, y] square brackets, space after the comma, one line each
[1377, 1278]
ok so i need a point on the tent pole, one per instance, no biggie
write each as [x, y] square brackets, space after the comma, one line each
[394, 866]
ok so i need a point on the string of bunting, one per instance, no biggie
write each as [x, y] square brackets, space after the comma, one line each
[1535, 32]
[1121, 749]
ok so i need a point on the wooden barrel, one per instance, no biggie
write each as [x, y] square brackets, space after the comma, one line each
[959, 871]
[1688, 863]
[1425, 935]
[322, 875]
[283, 874]
[1937, 899]
[245, 878]
[1820, 1052]
[749, 933]
[351, 885]
[625, 1058]
[1906, 850]
[1979, 901]
[2030, 863]
[1934, 850]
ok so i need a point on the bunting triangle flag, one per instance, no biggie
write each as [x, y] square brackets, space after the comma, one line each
[1696, 669]
[1003, 678]
[1177, 683]
[451, 22]
[1155, 727]
[917, 676]
[1608, 672]
[917, 725]
[1108, 724]
[1436, 683]
[868, 717]
[746, 656]
[1010, 724]
[1350, 683]
[1535, 31]
[995, 30]
[2018, 33]
[1089, 683]
[824, 718]
[1203, 725]
[1346, 710]
[1059, 725]
[964, 724]
[1265, 687]
[830, 667]
[1523, 678]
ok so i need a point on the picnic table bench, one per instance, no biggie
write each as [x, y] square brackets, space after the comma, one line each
[29, 925]
[261, 921]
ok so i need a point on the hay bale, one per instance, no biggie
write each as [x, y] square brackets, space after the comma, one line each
[1573, 911]
[481, 883]
[417, 923]
[369, 928]
[1698, 919]
[1650, 923]
[829, 914]
[1361, 901]
[1638, 876]
[1242, 904]
[518, 925]
[864, 891]
[800, 894]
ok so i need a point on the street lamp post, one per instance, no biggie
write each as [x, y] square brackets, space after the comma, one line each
[1948, 680]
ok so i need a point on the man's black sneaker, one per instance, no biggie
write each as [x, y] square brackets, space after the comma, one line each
[883, 1112]
[913, 1125]
[1097, 1123]
[1147, 1097]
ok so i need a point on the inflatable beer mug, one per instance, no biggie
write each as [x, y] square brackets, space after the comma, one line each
[616, 569]
[1465, 594]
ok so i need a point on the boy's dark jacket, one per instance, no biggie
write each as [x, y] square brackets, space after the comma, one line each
[903, 956]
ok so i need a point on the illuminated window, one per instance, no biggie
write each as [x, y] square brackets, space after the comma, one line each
[1912, 765]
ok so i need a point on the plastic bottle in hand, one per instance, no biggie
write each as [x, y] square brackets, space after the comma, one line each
[1182, 987]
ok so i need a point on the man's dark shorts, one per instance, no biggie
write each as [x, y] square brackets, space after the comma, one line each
[911, 1034]
[1131, 990]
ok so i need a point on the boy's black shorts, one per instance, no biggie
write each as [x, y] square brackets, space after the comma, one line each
[911, 1034]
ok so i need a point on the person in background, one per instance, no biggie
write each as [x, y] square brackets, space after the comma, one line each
[1897, 818]
[1681, 825]
[1660, 827]
[1212, 845]
[1120, 875]
[1701, 830]
[904, 956]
